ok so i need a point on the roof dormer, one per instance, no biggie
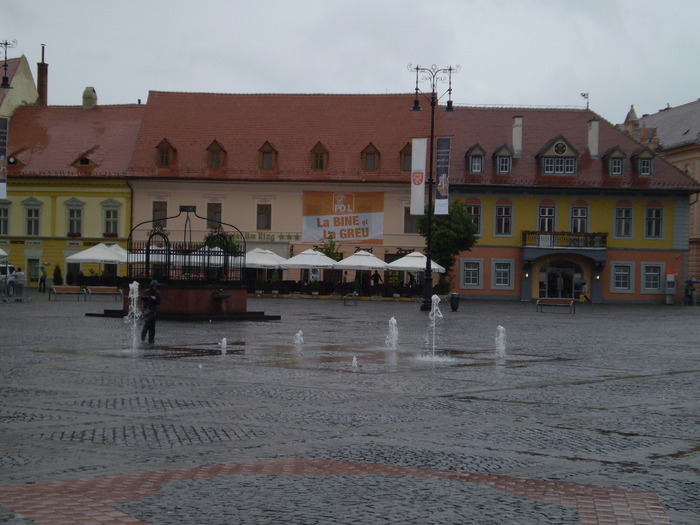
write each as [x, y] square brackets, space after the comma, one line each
[643, 162]
[558, 157]
[614, 161]
[503, 158]
[165, 154]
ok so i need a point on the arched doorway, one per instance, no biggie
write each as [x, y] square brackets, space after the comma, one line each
[560, 279]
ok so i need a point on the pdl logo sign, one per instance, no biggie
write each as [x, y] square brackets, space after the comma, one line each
[417, 178]
[343, 203]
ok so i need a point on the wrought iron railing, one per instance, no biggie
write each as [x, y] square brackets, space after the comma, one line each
[565, 239]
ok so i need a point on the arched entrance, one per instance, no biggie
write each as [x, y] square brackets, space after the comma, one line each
[560, 279]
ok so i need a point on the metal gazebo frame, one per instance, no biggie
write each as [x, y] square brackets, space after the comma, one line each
[218, 258]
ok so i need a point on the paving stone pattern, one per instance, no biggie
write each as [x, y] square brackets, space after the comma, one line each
[591, 418]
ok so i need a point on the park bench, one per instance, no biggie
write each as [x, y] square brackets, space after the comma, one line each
[105, 290]
[67, 290]
[553, 301]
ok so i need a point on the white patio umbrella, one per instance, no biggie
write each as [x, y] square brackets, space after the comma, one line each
[361, 260]
[309, 259]
[261, 258]
[100, 254]
[414, 262]
[3, 253]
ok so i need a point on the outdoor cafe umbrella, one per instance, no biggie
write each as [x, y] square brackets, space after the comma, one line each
[100, 254]
[414, 262]
[3, 253]
[309, 259]
[361, 260]
[261, 258]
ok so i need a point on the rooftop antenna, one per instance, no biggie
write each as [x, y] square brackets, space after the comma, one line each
[5, 80]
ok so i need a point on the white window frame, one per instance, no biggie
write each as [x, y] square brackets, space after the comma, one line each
[504, 163]
[32, 216]
[502, 274]
[579, 219]
[645, 273]
[616, 166]
[645, 168]
[618, 271]
[547, 217]
[476, 265]
[559, 165]
[5, 217]
[654, 222]
[623, 223]
[475, 211]
[476, 163]
[509, 219]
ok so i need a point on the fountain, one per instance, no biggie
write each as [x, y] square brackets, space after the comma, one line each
[354, 362]
[299, 338]
[392, 337]
[435, 316]
[500, 342]
[134, 314]
[223, 346]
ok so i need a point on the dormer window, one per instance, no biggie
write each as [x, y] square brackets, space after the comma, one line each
[267, 159]
[165, 154]
[215, 156]
[370, 158]
[614, 160]
[558, 157]
[643, 162]
[319, 158]
[84, 161]
[407, 158]
[504, 159]
[475, 159]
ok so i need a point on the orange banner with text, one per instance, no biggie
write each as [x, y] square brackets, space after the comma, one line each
[344, 216]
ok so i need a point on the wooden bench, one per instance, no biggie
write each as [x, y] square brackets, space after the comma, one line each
[67, 290]
[105, 290]
[553, 301]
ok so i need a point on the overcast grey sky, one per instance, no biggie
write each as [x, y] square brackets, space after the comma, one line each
[512, 52]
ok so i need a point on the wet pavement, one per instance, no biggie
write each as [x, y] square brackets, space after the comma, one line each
[591, 417]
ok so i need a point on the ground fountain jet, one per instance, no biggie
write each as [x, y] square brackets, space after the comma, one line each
[500, 342]
[392, 336]
[223, 346]
[299, 338]
[435, 316]
[134, 314]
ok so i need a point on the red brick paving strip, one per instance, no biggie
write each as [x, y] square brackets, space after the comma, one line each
[91, 500]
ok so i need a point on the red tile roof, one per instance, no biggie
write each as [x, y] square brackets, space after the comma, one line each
[292, 124]
[493, 127]
[48, 140]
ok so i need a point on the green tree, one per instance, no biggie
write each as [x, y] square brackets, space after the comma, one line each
[451, 234]
[57, 276]
[330, 248]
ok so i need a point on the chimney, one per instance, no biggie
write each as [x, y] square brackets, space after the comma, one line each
[89, 98]
[593, 137]
[517, 137]
[42, 80]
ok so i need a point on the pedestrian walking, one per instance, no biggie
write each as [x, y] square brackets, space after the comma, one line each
[42, 280]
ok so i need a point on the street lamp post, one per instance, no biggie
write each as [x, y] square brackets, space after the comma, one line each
[432, 75]
[5, 80]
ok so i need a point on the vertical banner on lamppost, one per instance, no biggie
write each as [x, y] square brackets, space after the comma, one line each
[418, 149]
[4, 124]
[442, 165]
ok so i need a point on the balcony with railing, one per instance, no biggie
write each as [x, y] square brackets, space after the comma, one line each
[565, 239]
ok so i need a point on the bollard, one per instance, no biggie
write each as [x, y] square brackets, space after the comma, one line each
[454, 301]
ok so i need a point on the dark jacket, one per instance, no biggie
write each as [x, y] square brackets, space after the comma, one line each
[150, 304]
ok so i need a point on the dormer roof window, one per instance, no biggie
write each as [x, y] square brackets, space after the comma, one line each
[643, 162]
[319, 157]
[165, 156]
[215, 156]
[504, 159]
[475, 159]
[558, 157]
[370, 158]
[614, 160]
[267, 157]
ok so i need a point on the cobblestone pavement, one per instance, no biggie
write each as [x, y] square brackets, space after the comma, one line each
[590, 418]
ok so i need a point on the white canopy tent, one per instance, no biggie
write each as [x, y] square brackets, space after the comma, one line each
[309, 259]
[361, 260]
[99, 254]
[414, 262]
[3, 254]
[265, 259]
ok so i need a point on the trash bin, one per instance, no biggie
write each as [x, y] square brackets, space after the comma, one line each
[454, 301]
